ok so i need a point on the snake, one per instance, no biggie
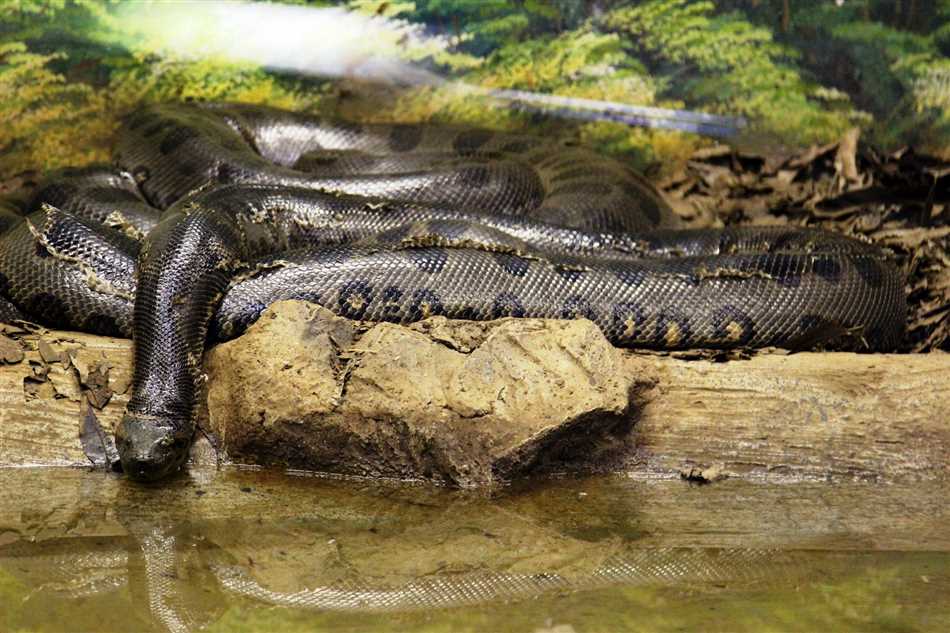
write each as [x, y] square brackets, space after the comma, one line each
[211, 212]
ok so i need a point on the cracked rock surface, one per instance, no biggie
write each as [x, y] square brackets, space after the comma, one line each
[459, 402]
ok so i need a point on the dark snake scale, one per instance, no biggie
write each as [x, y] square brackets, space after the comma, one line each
[213, 212]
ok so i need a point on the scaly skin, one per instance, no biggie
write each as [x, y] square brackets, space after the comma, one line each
[425, 220]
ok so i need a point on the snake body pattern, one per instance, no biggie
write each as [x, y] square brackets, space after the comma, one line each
[212, 212]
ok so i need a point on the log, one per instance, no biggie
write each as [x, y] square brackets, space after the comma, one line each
[474, 403]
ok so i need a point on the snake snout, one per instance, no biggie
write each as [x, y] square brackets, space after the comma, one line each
[149, 451]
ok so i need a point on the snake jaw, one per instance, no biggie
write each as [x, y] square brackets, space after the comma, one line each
[150, 450]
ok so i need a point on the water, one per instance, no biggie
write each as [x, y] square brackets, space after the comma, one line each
[237, 550]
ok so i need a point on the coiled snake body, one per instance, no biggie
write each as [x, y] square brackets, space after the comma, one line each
[396, 223]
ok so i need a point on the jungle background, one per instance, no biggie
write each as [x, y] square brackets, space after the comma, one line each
[845, 103]
[801, 71]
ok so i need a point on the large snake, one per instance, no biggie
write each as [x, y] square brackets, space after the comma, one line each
[212, 212]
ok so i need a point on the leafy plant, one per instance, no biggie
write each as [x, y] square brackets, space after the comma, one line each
[802, 70]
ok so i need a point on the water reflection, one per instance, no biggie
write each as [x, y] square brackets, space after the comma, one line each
[111, 556]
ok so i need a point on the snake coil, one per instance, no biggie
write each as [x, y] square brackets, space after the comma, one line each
[216, 211]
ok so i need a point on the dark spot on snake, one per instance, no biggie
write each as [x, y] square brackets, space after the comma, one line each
[570, 274]
[466, 313]
[555, 215]
[627, 321]
[391, 300]
[470, 141]
[733, 326]
[786, 270]
[155, 128]
[138, 120]
[507, 304]
[827, 268]
[4, 285]
[519, 147]
[651, 209]
[40, 250]
[71, 172]
[788, 241]
[56, 194]
[672, 329]
[396, 234]
[354, 299]
[343, 254]
[425, 303]
[632, 277]
[226, 328]
[101, 324]
[512, 264]
[261, 244]
[577, 307]
[430, 260]
[582, 188]
[189, 168]
[111, 196]
[403, 138]
[870, 270]
[176, 138]
[52, 309]
[7, 220]
[307, 295]
[475, 177]
[227, 173]
[448, 229]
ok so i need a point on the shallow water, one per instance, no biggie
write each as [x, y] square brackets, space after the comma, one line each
[244, 550]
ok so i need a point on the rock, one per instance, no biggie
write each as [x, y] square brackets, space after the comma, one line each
[458, 402]
[10, 351]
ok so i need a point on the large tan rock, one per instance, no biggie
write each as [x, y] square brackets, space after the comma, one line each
[465, 403]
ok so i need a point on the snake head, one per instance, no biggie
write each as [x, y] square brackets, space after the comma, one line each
[150, 448]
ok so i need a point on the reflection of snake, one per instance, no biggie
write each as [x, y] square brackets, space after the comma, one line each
[184, 592]
[474, 225]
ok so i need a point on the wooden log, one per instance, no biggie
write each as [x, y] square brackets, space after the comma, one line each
[800, 416]
[775, 416]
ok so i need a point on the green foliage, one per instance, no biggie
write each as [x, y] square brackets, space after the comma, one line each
[901, 77]
[942, 32]
[67, 79]
[802, 70]
[43, 118]
[486, 25]
[731, 66]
